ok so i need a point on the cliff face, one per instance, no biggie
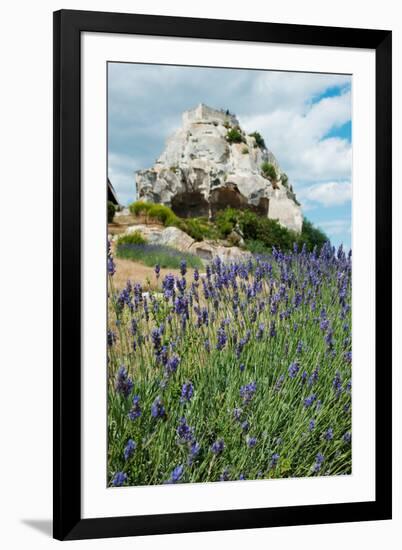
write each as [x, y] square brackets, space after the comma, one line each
[210, 163]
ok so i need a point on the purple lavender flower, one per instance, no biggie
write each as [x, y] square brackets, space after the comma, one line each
[297, 300]
[310, 400]
[337, 384]
[222, 339]
[187, 392]
[172, 364]
[260, 331]
[247, 392]
[329, 434]
[156, 338]
[168, 286]
[237, 413]
[157, 408]
[319, 459]
[176, 474]
[324, 324]
[274, 460]
[245, 426]
[157, 270]
[329, 339]
[242, 477]
[251, 442]
[111, 338]
[279, 382]
[184, 432]
[193, 452]
[314, 377]
[119, 479]
[293, 370]
[348, 356]
[129, 449]
[183, 267]
[347, 437]
[224, 475]
[134, 327]
[123, 384]
[311, 425]
[218, 446]
[135, 410]
[162, 355]
[111, 266]
[124, 298]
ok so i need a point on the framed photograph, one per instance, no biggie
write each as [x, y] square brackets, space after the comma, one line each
[211, 180]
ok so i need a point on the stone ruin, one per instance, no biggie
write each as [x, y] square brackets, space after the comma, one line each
[201, 172]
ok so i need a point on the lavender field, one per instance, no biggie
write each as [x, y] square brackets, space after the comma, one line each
[237, 372]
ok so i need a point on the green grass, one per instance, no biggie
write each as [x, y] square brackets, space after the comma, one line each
[152, 255]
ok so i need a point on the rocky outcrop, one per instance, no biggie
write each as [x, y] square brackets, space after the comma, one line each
[203, 169]
[176, 238]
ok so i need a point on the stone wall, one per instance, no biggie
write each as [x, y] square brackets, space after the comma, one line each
[203, 113]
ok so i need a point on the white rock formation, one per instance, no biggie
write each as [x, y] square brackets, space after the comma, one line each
[200, 172]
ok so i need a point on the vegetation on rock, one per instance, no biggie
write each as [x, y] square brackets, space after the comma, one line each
[235, 136]
[259, 140]
[269, 171]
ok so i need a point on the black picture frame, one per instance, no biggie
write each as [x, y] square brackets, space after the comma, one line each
[68, 26]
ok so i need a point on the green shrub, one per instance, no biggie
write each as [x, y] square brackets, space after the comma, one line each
[269, 171]
[131, 238]
[259, 140]
[164, 214]
[312, 236]
[226, 220]
[234, 136]
[140, 207]
[245, 150]
[267, 231]
[261, 233]
[111, 211]
[257, 247]
[198, 228]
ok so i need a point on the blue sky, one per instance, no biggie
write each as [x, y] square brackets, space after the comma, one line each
[305, 119]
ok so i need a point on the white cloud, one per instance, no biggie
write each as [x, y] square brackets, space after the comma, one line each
[293, 90]
[296, 136]
[335, 227]
[333, 193]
